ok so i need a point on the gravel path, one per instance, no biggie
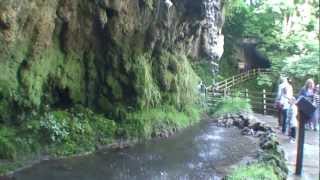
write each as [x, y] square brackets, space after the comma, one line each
[311, 161]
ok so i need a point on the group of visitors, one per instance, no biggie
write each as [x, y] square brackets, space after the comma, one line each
[287, 108]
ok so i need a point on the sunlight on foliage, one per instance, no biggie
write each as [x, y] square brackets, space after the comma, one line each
[231, 105]
[253, 172]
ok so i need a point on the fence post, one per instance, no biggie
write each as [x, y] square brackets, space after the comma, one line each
[300, 145]
[224, 92]
[233, 82]
[247, 95]
[264, 102]
[226, 83]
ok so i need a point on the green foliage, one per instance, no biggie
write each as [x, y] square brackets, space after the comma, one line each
[301, 67]
[149, 4]
[264, 80]
[35, 73]
[145, 85]
[104, 128]
[54, 126]
[7, 146]
[254, 171]
[231, 105]
[204, 71]
[177, 80]
[69, 132]
[287, 31]
[161, 120]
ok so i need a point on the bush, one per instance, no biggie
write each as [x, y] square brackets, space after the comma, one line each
[105, 129]
[7, 143]
[152, 122]
[231, 105]
[254, 171]
[54, 126]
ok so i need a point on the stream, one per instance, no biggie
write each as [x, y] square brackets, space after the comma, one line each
[203, 151]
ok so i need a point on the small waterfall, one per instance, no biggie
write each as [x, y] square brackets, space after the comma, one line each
[213, 39]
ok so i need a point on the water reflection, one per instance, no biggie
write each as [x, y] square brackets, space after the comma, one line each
[201, 152]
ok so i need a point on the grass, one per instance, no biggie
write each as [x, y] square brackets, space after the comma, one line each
[152, 122]
[253, 172]
[231, 105]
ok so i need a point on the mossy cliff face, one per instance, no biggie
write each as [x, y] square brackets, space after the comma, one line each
[108, 55]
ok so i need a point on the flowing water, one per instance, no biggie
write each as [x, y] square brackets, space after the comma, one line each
[203, 151]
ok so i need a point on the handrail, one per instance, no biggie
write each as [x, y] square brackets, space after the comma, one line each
[260, 100]
[263, 100]
[233, 80]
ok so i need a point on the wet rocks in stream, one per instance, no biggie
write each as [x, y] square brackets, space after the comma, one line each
[269, 149]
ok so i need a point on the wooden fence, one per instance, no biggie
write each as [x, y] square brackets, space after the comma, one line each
[237, 79]
[261, 101]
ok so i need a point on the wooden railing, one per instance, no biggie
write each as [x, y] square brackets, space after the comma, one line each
[261, 101]
[235, 80]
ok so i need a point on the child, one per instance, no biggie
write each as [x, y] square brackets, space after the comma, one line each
[292, 119]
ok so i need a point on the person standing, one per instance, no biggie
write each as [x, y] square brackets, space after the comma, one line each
[285, 95]
[292, 119]
[307, 92]
[278, 103]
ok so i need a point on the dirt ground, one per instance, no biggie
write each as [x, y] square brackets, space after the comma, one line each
[310, 170]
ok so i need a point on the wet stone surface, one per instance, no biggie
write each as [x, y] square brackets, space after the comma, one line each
[204, 151]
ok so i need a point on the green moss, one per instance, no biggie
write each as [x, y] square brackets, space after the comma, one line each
[115, 87]
[72, 77]
[34, 75]
[153, 122]
[7, 146]
[147, 90]
[254, 171]
[177, 80]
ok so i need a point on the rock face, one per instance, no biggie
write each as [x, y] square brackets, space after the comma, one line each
[213, 39]
[61, 52]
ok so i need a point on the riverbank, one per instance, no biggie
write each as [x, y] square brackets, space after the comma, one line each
[202, 151]
[77, 132]
[270, 161]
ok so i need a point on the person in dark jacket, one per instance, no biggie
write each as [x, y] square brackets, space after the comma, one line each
[307, 91]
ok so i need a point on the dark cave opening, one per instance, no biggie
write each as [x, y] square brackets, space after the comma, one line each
[111, 12]
[255, 58]
[61, 97]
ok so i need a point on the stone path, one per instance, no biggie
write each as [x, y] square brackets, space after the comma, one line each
[311, 161]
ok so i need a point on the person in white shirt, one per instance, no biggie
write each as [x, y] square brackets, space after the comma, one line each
[292, 119]
[277, 104]
[285, 95]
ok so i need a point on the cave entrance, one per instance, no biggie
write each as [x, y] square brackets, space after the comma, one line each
[61, 97]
